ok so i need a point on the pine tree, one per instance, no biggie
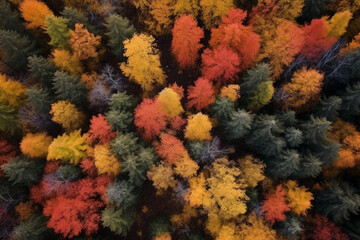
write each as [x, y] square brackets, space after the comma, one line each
[32, 228]
[17, 49]
[119, 220]
[284, 165]
[121, 193]
[329, 108]
[39, 99]
[310, 166]
[56, 28]
[291, 228]
[238, 125]
[338, 201]
[9, 19]
[222, 108]
[124, 144]
[293, 137]
[314, 9]
[9, 119]
[75, 16]
[69, 87]
[42, 69]
[351, 101]
[23, 170]
[262, 95]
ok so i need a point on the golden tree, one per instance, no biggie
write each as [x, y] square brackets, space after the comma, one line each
[34, 12]
[67, 115]
[35, 145]
[198, 127]
[83, 43]
[105, 161]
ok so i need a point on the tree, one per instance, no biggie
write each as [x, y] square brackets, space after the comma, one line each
[213, 10]
[351, 101]
[83, 43]
[67, 115]
[42, 69]
[299, 198]
[291, 228]
[289, 10]
[35, 145]
[17, 49]
[32, 228]
[293, 136]
[68, 148]
[124, 144]
[182, 8]
[284, 165]
[338, 201]
[185, 43]
[158, 226]
[69, 88]
[238, 125]
[222, 108]
[121, 193]
[336, 26]
[75, 16]
[352, 46]
[198, 127]
[231, 91]
[314, 9]
[220, 65]
[100, 131]
[304, 88]
[329, 107]
[262, 95]
[7, 152]
[143, 63]
[119, 29]
[34, 12]
[170, 103]
[39, 99]
[9, 120]
[162, 176]
[325, 229]
[252, 170]
[310, 166]
[99, 97]
[67, 62]
[12, 93]
[275, 206]
[186, 167]
[150, 118]
[56, 28]
[119, 220]
[159, 19]
[201, 95]
[23, 170]
[256, 228]
[171, 149]
[9, 19]
[105, 161]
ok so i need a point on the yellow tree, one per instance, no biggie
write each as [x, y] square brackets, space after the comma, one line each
[299, 198]
[196, 192]
[35, 145]
[353, 45]
[162, 176]
[160, 17]
[83, 43]
[34, 12]
[189, 7]
[252, 170]
[304, 88]
[198, 127]
[11, 92]
[289, 9]
[231, 91]
[336, 26]
[186, 167]
[66, 61]
[213, 10]
[255, 228]
[170, 102]
[143, 63]
[67, 115]
[105, 161]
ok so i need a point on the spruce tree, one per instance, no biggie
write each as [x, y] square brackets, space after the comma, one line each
[42, 69]
[75, 16]
[119, 29]
[310, 166]
[121, 193]
[222, 108]
[124, 144]
[119, 220]
[238, 125]
[291, 228]
[17, 49]
[9, 19]
[287, 118]
[8, 120]
[283, 165]
[39, 99]
[293, 137]
[56, 28]
[314, 9]
[351, 101]
[329, 107]
[338, 201]
[32, 228]
[262, 95]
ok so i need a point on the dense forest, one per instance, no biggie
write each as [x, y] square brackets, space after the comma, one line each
[180, 120]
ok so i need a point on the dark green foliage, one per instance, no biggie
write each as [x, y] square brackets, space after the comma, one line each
[8, 120]
[121, 193]
[158, 226]
[351, 101]
[264, 137]
[9, 19]
[293, 137]
[196, 149]
[195, 236]
[119, 29]
[33, 228]
[56, 28]
[42, 69]
[239, 124]
[69, 87]
[262, 95]
[68, 172]
[310, 166]
[314, 9]
[338, 201]
[329, 107]
[291, 228]
[122, 102]
[39, 99]
[124, 144]
[287, 118]
[75, 16]
[327, 152]
[119, 220]
[23, 170]
[352, 228]
[10, 194]
[254, 201]
[284, 165]
[222, 108]
[17, 49]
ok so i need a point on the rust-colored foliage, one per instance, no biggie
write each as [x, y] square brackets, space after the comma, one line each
[35, 145]
[170, 148]
[325, 229]
[7, 151]
[25, 210]
[186, 44]
[201, 95]
[100, 130]
[83, 43]
[275, 206]
[88, 167]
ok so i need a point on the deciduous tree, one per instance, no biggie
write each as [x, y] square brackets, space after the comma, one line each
[213, 10]
[35, 145]
[105, 161]
[299, 198]
[67, 115]
[275, 205]
[67, 62]
[170, 103]
[198, 127]
[12, 93]
[34, 12]
[100, 131]
[201, 95]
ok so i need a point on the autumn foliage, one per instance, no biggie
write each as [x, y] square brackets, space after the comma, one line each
[275, 205]
[201, 95]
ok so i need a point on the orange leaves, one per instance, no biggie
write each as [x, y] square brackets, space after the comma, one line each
[34, 13]
[185, 44]
[83, 43]
[35, 145]
[100, 130]
[275, 205]
[170, 148]
[201, 95]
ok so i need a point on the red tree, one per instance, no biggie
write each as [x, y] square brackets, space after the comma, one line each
[201, 95]
[7, 151]
[185, 44]
[170, 148]
[275, 206]
[177, 123]
[324, 230]
[220, 65]
[316, 41]
[100, 130]
[150, 118]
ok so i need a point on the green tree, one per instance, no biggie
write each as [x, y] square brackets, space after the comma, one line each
[158, 226]
[124, 144]
[283, 165]
[119, 220]
[222, 108]
[9, 19]
[262, 95]
[238, 125]
[351, 101]
[329, 108]
[293, 137]
[314, 9]
[9, 120]
[75, 16]
[24, 170]
[291, 228]
[39, 98]
[69, 87]
[119, 29]
[32, 228]
[17, 49]
[310, 166]
[121, 193]
[42, 69]
[56, 28]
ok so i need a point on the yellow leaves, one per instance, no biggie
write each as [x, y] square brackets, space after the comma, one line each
[67, 115]
[227, 232]
[105, 161]
[65, 61]
[143, 63]
[35, 145]
[213, 10]
[289, 9]
[198, 127]
[336, 26]
[197, 190]
[34, 12]
[11, 92]
[68, 148]
[89, 79]
[162, 176]
[299, 199]
[160, 16]
[231, 91]
[170, 102]
[304, 88]
[83, 43]
[164, 236]
[256, 229]
[183, 219]
[186, 7]
[186, 167]
[252, 170]
[353, 45]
